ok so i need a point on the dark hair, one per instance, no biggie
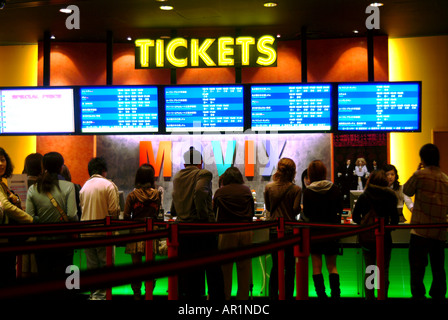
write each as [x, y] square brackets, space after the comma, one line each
[145, 176]
[97, 165]
[286, 170]
[378, 178]
[304, 176]
[9, 166]
[317, 171]
[52, 163]
[430, 155]
[232, 175]
[192, 157]
[391, 167]
[33, 164]
[66, 173]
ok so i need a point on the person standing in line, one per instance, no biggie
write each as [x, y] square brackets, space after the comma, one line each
[323, 203]
[378, 196]
[282, 198]
[12, 213]
[430, 187]
[192, 202]
[143, 202]
[99, 199]
[39, 203]
[33, 169]
[233, 202]
[394, 184]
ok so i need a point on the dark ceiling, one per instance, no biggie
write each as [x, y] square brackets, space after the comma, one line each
[25, 21]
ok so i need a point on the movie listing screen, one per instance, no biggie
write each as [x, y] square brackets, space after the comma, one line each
[379, 107]
[204, 108]
[119, 109]
[291, 107]
[37, 110]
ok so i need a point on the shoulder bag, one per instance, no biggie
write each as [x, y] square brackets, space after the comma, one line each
[56, 205]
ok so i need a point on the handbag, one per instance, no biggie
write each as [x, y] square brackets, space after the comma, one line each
[56, 205]
[367, 239]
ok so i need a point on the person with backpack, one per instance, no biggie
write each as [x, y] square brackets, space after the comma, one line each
[377, 200]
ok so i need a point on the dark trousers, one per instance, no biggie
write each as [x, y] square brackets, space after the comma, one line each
[192, 283]
[7, 269]
[419, 250]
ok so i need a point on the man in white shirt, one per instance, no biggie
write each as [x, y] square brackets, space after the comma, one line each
[99, 199]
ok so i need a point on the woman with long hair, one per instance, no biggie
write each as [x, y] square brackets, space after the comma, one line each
[323, 203]
[143, 202]
[379, 197]
[282, 199]
[41, 201]
[11, 213]
[397, 187]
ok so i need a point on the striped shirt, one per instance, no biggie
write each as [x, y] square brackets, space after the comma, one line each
[430, 187]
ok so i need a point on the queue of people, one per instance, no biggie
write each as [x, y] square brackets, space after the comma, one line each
[53, 199]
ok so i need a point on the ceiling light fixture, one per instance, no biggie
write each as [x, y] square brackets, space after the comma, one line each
[129, 38]
[65, 10]
[52, 37]
[376, 4]
[166, 8]
[270, 4]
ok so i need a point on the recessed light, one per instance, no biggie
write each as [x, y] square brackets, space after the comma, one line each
[166, 7]
[65, 10]
[52, 37]
[355, 31]
[129, 38]
[270, 4]
[279, 35]
[376, 4]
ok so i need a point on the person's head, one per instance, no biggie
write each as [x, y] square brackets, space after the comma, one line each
[66, 173]
[193, 157]
[392, 175]
[378, 178]
[305, 179]
[286, 170]
[232, 175]
[97, 165]
[317, 171]
[360, 162]
[6, 166]
[145, 176]
[429, 155]
[52, 162]
[33, 164]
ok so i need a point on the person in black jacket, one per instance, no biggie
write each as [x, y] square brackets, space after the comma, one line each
[383, 200]
[323, 203]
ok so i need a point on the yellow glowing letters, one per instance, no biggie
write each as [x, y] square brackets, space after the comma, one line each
[208, 52]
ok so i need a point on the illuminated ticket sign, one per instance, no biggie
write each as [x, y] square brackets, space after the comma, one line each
[209, 52]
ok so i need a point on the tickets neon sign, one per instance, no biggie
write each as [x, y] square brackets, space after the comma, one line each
[241, 51]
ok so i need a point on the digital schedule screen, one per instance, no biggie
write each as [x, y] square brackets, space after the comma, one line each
[204, 108]
[37, 110]
[291, 107]
[379, 106]
[119, 109]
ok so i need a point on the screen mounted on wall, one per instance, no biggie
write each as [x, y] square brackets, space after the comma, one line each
[119, 109]
[388, 106]
[204, 108]
[37, 110]
[291, 107]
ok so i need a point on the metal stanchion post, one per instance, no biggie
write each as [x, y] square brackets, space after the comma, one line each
[149, 254]
[302, 253]
[109, 259]
[379, 233]
[173, 246]
[281, 261]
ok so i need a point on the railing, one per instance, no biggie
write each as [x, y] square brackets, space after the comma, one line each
[149, 270]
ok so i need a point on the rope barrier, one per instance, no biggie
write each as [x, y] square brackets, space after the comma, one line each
[117, 275]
